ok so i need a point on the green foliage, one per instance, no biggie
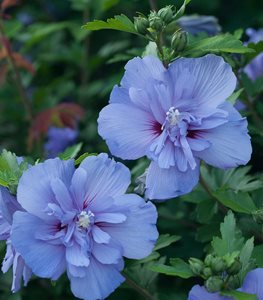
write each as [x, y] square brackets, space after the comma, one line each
[231, 239]
[121, 22]
[217, 44]
[178, 268]
[71, 152]
[237, 295]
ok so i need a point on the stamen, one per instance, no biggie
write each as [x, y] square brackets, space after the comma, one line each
[173, 116]
[85, 218]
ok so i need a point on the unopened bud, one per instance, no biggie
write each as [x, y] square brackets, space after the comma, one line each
[234, 268]
[208, 260]
[218, 265]
[196, 265]
[214, 284]
[233, 283]
[179, 41]
[166, 14]
[207, 272]
[155, 21]
[141, 24]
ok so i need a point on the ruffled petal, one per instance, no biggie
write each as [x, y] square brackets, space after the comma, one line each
[162, 184]
[46, 260]
[253, 283]
[139, 70]
[34, 190]
[230, 145]
[100, 281]
[128, 130]
[201, 84]
[138, 229]
[105, 179]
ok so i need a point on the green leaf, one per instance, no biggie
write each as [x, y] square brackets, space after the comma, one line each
[257, 255]
[119, 22]
[181, 11]
[239, 202]
[83, 156]
[205, 210]
[70, 152]
[231, 240]
[165, 240]
[216, 44]
[233, 98]
[239, 295]
[179, 268]
[245, 258]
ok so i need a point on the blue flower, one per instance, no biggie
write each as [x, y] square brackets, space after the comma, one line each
[80, 221]
[59, 139]
[176, 117]
[254, 69]
[252, 285]
[8, 206]
[196, 24]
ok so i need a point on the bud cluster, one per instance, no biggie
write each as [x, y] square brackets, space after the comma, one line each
[155, 22]
[218, 272]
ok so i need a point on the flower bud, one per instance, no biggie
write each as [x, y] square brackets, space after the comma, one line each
[196, 265]
[233, 283]
[218, 265]
[214, 284]
[155, 21]
[141, 24]
[207, 272]
[208, 260]
[179, 41]
[166, 14]
[234, 268]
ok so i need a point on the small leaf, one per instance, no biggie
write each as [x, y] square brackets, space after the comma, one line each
[179, 268]
[231, 240]
[165, 240]
[233, 98]
[237, 295]
[216, 44]
[70, 152]
[83, 156]
[239, 202]
[119, 22]
[181, 11]
[245, 258]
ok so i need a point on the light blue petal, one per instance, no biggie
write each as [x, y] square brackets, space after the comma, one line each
[100, 281]
[138, 229]
[200, 293]
[253, 283]
[163, 184]
[105, 178]
[128, 130]
[34, 191]
[46, 260]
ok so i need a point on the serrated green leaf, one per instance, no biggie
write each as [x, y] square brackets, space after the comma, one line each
[119, 22]
[231, 239]
[165, 240]
[205, 210]
[233, 98]
[237, 295]
[179, 268]
[70, 152]
[245, 258]
[216, 44]
[239, 202]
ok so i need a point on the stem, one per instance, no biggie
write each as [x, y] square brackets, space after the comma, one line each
[153, 5]
[138, 288]
[207, 189]
[17, 78]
